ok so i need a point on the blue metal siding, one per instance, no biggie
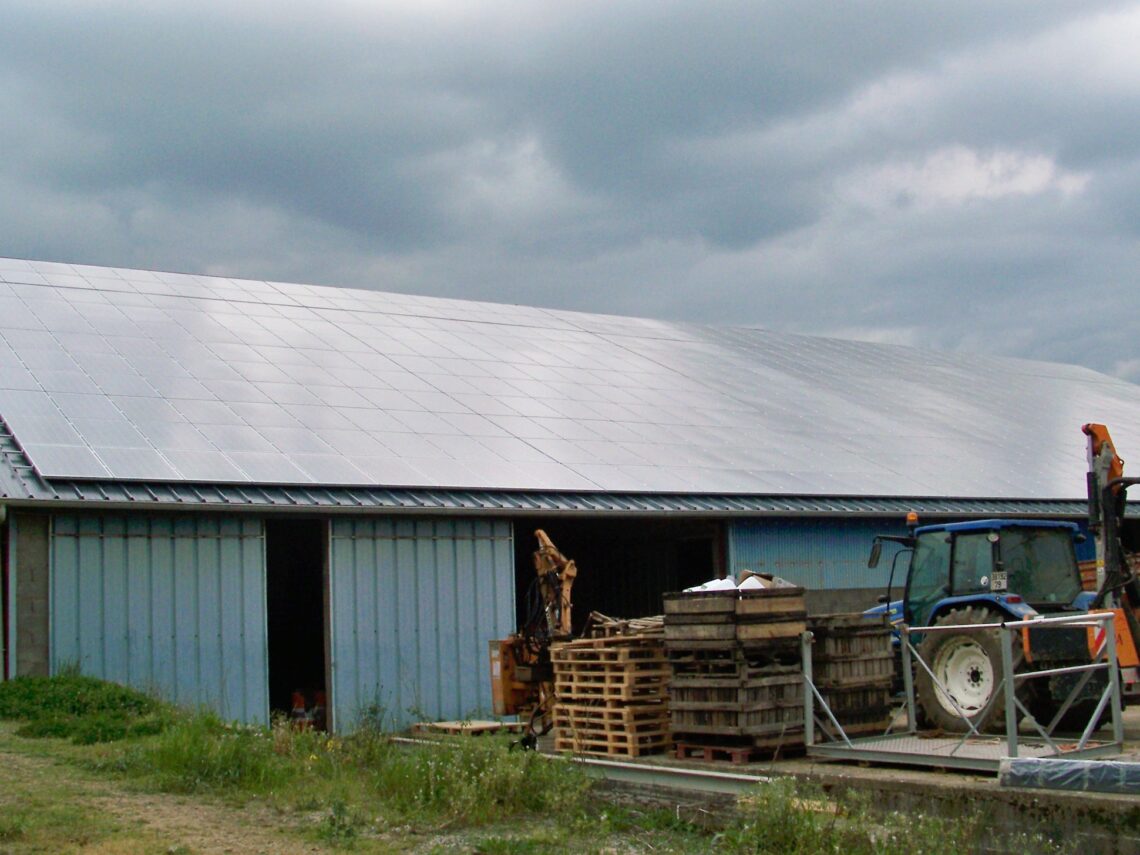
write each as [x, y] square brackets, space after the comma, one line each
[818, 554]
[414, 603]
[175, 606]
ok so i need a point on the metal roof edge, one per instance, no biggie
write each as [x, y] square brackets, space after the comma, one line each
[34, 491]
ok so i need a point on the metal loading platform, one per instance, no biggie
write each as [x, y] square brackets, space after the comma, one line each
[972, 750]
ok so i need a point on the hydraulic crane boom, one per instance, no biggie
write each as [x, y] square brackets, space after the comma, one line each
[1107, 492]
[522, 678]
[1117, 585]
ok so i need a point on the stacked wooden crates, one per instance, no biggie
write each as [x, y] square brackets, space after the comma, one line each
[853, 669]
[737, 684]
[612, 695]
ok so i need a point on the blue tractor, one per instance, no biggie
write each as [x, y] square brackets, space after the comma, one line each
[986, 572]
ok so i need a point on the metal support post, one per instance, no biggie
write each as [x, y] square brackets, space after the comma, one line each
[1010, 690]
[1114, 679]
[809, 695]
[908, 678]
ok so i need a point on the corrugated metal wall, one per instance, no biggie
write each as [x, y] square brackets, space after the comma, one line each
[174, 605]
[818, 554]
[414, 603]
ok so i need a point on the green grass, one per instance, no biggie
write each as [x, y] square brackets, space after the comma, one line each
[367, 793]
[82, 709]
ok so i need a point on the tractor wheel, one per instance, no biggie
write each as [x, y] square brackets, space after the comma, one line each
[969, 666]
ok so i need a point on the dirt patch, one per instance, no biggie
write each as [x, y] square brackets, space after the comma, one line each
[182, 823]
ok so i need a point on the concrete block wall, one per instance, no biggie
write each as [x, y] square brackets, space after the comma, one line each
[30, 581]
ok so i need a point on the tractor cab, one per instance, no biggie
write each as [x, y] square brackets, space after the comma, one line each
[1021, 567]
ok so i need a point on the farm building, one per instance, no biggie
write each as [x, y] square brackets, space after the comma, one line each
[229, 490]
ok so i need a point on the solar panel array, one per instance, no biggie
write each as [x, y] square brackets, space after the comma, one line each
[137, 375]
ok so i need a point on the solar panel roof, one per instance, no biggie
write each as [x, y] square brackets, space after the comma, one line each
[133, 375]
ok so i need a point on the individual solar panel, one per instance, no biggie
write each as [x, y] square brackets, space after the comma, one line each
[139, 464]
[72, 460]
[330, 469]
[269, 468]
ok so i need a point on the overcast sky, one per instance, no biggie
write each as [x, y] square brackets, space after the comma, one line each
[959, 175]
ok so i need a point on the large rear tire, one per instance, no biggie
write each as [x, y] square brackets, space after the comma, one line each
[969, 666]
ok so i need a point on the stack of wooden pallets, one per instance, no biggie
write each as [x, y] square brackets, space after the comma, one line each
[737, 684]
[853, 668]
[612, 695]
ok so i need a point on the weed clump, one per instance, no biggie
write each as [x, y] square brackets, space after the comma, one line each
[198, 752]
[789, 816]
[474, 781]
[82, 709]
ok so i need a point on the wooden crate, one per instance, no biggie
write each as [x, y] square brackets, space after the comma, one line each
[679, 606]
[850, 673]
[731, 660]
[770, 603]
[686, 632]
[693, 693]
[848, 636]
[845, 702]
[754, 706]
[756, 634]
[755, 720]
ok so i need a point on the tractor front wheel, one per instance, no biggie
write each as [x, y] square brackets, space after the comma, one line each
[968, 668]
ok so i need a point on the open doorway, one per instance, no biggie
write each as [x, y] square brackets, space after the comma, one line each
[295, 567]
[624, 566]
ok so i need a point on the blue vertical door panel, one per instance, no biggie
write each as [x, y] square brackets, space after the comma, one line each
[824, 554]
[413, 605]
[175, 606]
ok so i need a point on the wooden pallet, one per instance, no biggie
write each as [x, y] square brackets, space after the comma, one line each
[622, 744]
[618, 668]
[612, 695]
[611, 729]
[756, 750]
[609, 654]
[624, 642]
[612, 687]
[576, 721]
[599, 625]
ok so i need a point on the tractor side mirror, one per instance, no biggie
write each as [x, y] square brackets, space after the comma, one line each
[884, 598]
[876, 552]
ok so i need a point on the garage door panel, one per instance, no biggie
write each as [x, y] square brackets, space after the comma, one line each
[415, 602]
[175, 606]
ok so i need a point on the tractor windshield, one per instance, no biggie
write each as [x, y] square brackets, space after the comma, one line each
[1041, 565]
[928, 580]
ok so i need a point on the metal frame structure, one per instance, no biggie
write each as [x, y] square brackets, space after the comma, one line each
[973, 750]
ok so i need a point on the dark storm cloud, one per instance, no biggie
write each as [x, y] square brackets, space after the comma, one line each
[957, 175]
